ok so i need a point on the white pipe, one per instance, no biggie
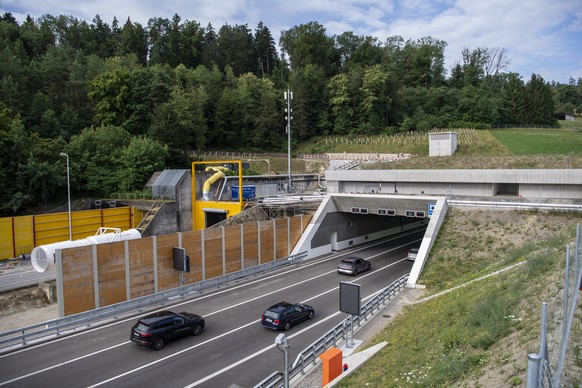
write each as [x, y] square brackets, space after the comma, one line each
[43, 256]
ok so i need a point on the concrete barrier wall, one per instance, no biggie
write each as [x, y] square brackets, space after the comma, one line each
[100, 275]
[430, 235]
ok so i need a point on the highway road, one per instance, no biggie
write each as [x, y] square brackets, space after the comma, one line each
[19, 274]
[233, 351]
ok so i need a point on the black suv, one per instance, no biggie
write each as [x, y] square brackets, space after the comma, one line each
[282, 315]
[353, 265]
[156, 329]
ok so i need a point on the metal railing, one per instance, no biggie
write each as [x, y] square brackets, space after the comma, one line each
[18, 338]
[310, 354]
[514, 204]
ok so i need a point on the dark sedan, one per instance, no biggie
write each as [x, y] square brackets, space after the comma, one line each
[283, 315]
[156, 329]
[353, 265]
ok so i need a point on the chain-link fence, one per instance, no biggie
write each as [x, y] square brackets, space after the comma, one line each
[545, 369]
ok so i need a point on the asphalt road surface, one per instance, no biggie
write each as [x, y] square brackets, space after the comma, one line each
[233, 351]
[18, 273]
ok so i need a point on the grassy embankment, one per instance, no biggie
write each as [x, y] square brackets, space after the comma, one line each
[480, 335]
[520, 148]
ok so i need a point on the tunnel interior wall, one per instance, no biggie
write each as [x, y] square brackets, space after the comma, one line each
[352, 229]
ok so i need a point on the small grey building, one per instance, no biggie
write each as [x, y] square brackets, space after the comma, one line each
[442, 143]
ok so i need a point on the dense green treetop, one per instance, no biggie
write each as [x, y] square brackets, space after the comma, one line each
[113, 94]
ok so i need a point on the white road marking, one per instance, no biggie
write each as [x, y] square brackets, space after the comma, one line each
[215, 312]
[249, 357]
[117, 322]
[62, 364]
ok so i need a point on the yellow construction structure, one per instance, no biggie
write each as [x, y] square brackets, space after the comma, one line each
[205, 208]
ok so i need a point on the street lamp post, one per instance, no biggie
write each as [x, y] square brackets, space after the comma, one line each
[284, 341]
[68, 196]
[288, 97]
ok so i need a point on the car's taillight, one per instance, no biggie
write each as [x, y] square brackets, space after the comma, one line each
[276, 321]
[262, 317]
[146, 335]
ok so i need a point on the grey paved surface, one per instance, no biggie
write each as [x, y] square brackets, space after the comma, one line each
[18, 273]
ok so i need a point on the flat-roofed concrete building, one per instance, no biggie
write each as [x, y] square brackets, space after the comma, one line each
[535, 184]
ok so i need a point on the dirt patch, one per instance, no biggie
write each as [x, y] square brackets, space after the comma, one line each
[22, 300]
[25, 307]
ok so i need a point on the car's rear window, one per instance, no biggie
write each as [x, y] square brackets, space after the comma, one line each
[142, 327]
[348, 262]
[271, 314]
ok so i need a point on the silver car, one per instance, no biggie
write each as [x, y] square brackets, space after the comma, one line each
[353, 266]
[412, 253]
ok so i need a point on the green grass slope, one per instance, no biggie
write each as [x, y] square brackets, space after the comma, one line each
[479, 335]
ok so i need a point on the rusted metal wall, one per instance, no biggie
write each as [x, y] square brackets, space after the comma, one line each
[251, 247]
[213, 252]
[232, 247]
[108, 273]
[111, 272]
[141, 267]
[192, 243]
[77, 280]
[168, 277]
[267, 251]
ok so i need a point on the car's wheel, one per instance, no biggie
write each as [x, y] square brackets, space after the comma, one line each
[287, 326]
[158, 343]
[197, 329]
[355, 272]
[310, 316]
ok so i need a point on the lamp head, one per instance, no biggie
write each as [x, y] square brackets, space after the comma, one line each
[280, 340]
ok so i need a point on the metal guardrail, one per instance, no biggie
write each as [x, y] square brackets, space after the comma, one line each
[17, 338]
[516, 205]
[310, 354]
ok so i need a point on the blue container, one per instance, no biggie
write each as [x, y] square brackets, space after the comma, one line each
[248, 192]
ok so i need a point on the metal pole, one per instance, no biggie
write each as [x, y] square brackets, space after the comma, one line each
[289, 97]
[286, 370]
[351, 331]
[566, 290]
[543, 344]
[533, 365]
[68, 196]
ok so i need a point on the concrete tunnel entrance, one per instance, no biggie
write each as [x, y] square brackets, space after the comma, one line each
[346, 220]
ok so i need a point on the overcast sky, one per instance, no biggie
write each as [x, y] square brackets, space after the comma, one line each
[542, 36]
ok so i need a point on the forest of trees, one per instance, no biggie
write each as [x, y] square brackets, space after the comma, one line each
[125, 100]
